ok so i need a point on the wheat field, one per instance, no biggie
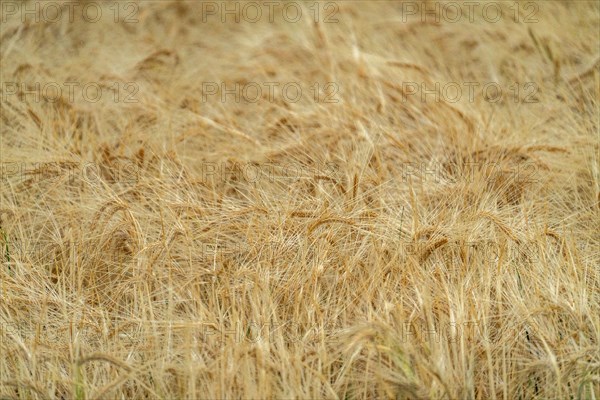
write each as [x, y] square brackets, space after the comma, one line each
[346, 199]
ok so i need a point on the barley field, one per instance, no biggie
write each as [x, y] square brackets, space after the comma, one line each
[300, 200]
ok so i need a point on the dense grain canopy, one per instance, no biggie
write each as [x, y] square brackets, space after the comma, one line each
[345, 199]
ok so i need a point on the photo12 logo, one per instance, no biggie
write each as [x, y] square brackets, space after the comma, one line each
[91, 92]
[453, 92]
[255, 92]
[269, 11]
[253, 172]
[13, 329]
[469, 11]
[60, 11]
[124, 171]
[526, 252]
[467, 172]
